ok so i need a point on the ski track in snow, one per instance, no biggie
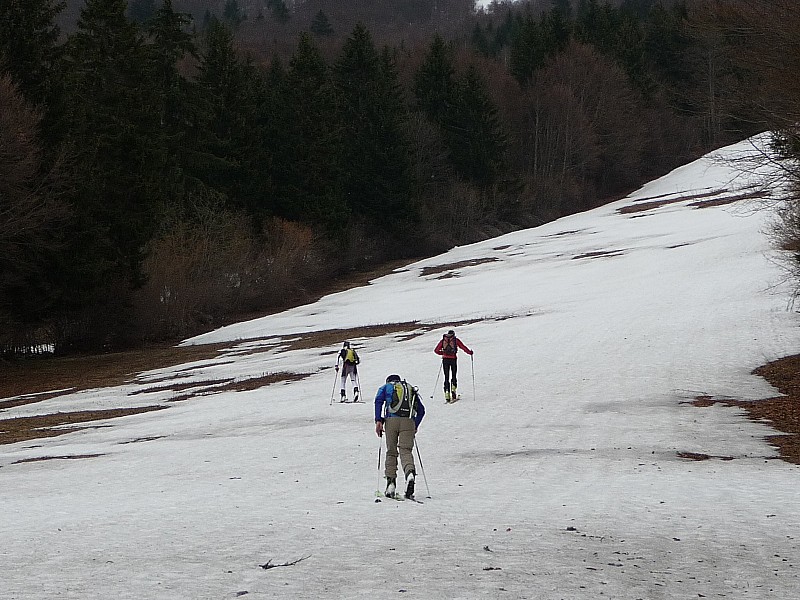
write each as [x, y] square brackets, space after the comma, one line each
[557, 475]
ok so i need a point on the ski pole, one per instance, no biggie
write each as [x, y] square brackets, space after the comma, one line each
[380, 450]
[333, 390]
[357, 397]
[437, 381]
[472, 368]
[422, 468]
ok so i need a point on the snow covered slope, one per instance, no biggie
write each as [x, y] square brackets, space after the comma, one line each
[557, 476]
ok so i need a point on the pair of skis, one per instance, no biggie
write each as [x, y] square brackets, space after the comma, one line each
[397, 497]
[356, 400]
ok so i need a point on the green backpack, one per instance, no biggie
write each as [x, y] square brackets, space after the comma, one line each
[404, 400]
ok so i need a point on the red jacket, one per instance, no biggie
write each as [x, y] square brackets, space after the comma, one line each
[450, 352]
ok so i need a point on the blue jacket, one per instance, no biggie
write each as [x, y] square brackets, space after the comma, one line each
[384, 398]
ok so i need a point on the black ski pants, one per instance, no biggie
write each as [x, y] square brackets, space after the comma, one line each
[450, 367]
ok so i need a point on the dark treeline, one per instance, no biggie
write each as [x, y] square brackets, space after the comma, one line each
[161, 172]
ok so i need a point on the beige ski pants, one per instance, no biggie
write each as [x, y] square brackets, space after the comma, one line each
[399, 432]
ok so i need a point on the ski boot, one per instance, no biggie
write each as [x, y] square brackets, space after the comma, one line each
[447, 396]
[344, 397]
[355, 395]
[454, 393]
[391, 487]
[410, 484]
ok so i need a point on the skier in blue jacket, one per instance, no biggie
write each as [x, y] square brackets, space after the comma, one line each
[398, 412]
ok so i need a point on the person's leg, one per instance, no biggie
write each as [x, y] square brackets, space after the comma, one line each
[405, 443]
[392, 433]
[354, 381]
[454, 379]
[446, 371]
[391, 430]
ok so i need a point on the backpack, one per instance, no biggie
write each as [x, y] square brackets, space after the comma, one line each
[351, 356]
[449, 347]
[404, 400]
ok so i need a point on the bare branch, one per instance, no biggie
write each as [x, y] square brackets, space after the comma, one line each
[269, 564]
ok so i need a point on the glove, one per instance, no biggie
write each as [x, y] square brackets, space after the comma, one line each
[379, 428]
[337, 367]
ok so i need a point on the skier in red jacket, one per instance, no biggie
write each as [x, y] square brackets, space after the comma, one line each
[447, 348]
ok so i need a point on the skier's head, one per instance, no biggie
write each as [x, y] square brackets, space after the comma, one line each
[346, 345]
[450, 333]
[393, 378]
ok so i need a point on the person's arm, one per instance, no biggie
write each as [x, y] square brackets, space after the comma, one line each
[438, 348]
[420, 413]
[379, 411]
[463, 347]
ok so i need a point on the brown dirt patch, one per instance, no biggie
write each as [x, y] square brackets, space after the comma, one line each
[782, 412]
[456, 265]
[641, 206]
[599, 254]
[242, 385]
[21, 429]
[335, 337]
[728, 199]
[700, 456]
[65, 457]
[563, 233]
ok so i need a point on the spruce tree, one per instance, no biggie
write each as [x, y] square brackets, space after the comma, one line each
[305, 122]
[169, 42]
[29, 49]
[280, 12]
[435, 81]
[528, 50]
[375, 155]
[321, 25]
[141, 11]
[473, 132]
[116, 138]
[227, 143]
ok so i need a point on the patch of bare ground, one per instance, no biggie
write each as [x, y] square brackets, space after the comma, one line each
[728, 199]
[718, 200]
[563, 233]
[64, 457]
[700, 456]
[782, 412]
[334, 337]
[21, 429]
[450, 267]
[599, 254]
[641, 206]
[241, 385]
